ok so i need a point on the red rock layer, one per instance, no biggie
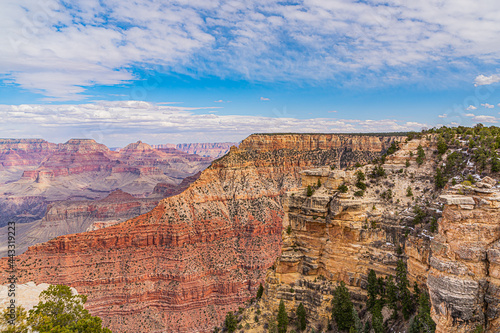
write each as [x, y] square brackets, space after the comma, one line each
[182, 266]
[27, 152]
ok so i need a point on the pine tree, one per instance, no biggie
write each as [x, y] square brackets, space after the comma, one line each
[358, 326]
[61, 311]
[260, 291]
[439, 179]
[442, 146]
[310, 190]
[282, 318]
[495, 163]
[372, 289]
[342, 307]
[377, 319]
[420, 155]
[301, 317]
[422, 322]
[392, 298]
[19, 325]
[409, 192]
[404, 292]
[230, 322]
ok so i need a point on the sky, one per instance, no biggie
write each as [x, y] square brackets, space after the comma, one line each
[119, 71]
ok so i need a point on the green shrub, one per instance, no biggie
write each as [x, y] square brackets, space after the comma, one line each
[342, 188]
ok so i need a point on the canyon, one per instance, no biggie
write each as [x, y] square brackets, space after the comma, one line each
[181, 266]
[55, 189]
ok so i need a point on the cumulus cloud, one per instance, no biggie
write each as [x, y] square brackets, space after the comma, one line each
[471, 107]
[469, 115]
[488, 106]
[61, 48]
[482, 80]
[334, 111]
[444, 115]
[264, 99]
[119, 123]
[485, 119]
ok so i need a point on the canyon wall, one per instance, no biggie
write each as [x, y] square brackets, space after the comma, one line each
[201, 253]
[464, 279]
[330, 236]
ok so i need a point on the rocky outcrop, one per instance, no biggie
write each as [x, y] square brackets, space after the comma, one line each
[197, 254]
[464, 280]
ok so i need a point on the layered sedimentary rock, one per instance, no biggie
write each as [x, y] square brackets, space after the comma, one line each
[81, 169]
[331, 236]
[68, 217]
[464, 280]
[198, 254]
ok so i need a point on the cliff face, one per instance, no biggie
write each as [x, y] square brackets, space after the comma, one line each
[464, 280]
[197, 254]
[331, 236]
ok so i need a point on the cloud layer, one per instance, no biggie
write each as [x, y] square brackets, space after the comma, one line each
[119, 123]
[60, 48]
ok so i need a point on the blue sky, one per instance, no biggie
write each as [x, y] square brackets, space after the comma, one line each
[194, 71]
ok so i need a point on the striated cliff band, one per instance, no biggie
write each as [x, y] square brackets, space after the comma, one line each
[57, 189]
[201, 253]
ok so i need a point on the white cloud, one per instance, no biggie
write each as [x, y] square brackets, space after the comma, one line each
[444, 115]
[482, 80]
[62, 49]
[264, 99]
[219, 101]
[488, 106]
[471, 107]
[332, 111]
[469, 115]
[485, 119]
[119, 123]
